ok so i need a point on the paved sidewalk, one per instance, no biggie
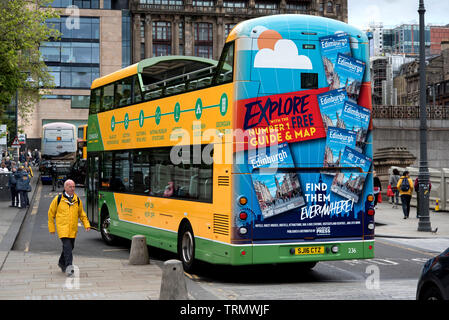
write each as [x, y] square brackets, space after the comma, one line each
[28, 275]
[390, 222]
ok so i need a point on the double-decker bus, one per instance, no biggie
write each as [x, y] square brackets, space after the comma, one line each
[239, 161]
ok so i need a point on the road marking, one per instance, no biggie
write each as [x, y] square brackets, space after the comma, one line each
[114, 250]
[192, 276]
[37, 199]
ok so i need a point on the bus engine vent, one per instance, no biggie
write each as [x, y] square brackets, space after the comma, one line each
[223, 181]
[221, 224]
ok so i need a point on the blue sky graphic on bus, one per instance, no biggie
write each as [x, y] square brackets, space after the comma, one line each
[356, 118]
[331, 105]
[276, 59]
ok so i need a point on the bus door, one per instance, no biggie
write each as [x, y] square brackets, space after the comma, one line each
[92, 190]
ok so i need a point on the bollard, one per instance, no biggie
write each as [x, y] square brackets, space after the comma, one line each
[139, 251]
[173, 284]
[437, 206]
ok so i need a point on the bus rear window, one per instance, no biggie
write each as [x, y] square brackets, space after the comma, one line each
[309, 80]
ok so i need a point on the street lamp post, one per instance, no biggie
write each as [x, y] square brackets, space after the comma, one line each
[423, 176]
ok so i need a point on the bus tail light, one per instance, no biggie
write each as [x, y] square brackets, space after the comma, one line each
[243, 201]
[243, 230]
[243, 215]
[370, 198]
[371, 226]
[334, 249]
[371, 212]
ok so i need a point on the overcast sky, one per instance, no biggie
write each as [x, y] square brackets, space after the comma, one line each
[395, 12]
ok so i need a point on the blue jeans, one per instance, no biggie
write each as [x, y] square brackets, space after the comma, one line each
[405, 199]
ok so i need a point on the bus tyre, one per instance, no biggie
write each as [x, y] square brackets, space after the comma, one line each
[186, 247]
[104, 230]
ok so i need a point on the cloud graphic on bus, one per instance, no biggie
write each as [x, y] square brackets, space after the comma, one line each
[284, 56]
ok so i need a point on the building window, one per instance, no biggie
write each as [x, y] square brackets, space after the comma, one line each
[234, 4]
[266, 5]
[203, 40]
[163, 2]
[203, 3]
[70, 52]
[330, 7]
[82, 4]
[228, 28]
[80, 102]
[74, 59]
[161, 38]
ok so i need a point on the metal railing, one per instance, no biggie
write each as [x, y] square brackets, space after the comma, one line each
[409, 112]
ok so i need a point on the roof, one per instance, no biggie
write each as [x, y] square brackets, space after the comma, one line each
[292, 25]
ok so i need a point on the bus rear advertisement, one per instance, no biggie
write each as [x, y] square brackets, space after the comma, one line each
[264, 156]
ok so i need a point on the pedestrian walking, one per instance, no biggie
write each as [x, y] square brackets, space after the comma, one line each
[66, 209]
[417, 194]
[377, 188]
[405, 187]
[23, 186]
[394, 179]
[54, 175]
[12, 182]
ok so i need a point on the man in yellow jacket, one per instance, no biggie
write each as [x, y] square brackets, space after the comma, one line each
[405, 188]
[67, 208]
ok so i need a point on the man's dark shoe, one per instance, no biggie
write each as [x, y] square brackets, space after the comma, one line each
[62, 267]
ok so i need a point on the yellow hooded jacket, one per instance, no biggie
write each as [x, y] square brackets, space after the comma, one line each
[67, 215]
[410, 191]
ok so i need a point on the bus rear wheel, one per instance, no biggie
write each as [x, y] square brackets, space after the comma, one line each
[108, 238]
[186, 247]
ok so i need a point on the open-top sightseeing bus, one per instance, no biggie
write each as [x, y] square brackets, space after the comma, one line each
[240, 161]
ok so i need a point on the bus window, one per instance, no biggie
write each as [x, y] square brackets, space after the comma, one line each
[161, 171]
[106, 171]
[137, 93]
[141, 171]
[225, 66]
[108, 97]
[95, 101]
[121, 173]
[309, 80]
[123, 92]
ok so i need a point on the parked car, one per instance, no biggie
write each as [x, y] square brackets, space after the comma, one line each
[434, 281]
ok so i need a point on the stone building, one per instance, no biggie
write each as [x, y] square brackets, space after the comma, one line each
[200, 27]
[437, 73]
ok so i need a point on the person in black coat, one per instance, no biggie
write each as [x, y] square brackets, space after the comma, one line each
[377, 188]
[23, 187]
[12, 187]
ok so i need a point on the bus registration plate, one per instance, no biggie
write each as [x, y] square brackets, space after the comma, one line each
[309, 250]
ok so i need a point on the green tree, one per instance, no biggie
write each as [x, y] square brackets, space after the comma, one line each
[22, 70]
